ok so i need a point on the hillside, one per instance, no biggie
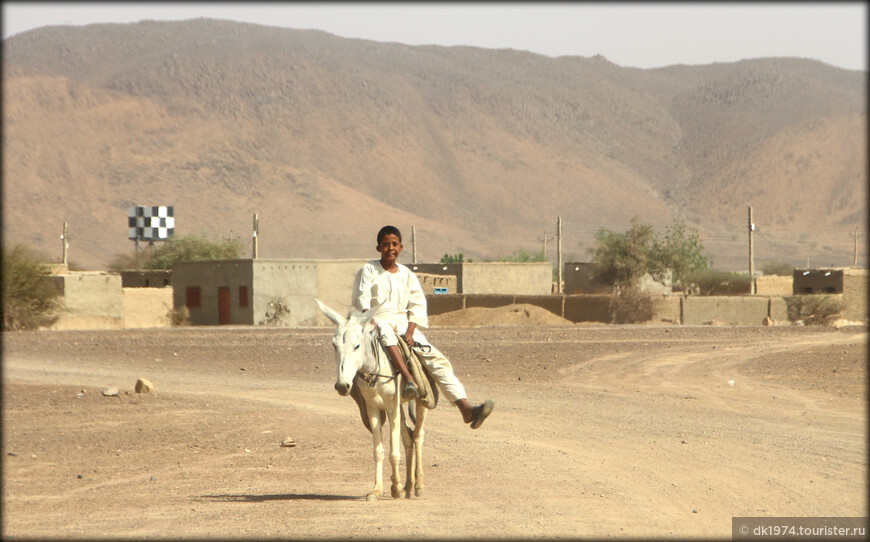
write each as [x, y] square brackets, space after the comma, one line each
[481, 150]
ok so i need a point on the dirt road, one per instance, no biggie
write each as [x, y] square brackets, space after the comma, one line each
[599, 431]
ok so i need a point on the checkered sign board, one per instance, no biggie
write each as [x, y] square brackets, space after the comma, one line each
[150, 223]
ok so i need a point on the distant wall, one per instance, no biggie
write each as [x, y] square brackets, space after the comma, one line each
[502, 278]
[91, 300]
[855, 290]
[693, 310]
[733, 310]
[147, 307]
[774, 285]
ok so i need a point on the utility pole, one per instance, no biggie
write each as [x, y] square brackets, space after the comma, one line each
[855, 257]
[545, 246]
[254, 251]
[65, 238]
[751, 256]
[559, 257]
[414, 243]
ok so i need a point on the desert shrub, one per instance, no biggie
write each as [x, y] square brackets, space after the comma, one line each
[821, 309]
[276, 314]
[632, 306]
[454, 258]
[190, 248]
[782, 269]
[522, 256]
[712, 282]
[30, 300]
[179, 317]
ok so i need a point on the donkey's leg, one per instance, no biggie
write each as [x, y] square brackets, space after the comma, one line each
[378, 442]
[408, 442]
[418, 449]
[395, 448]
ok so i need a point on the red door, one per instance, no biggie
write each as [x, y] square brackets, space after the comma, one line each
[223, 305]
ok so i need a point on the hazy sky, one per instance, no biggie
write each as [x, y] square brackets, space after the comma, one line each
[643, 35]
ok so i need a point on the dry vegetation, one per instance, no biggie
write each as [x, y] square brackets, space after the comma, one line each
[479, 149]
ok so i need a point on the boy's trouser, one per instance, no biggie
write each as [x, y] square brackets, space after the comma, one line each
[438, 365]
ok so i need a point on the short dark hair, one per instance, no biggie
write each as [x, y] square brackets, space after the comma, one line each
[389, 230]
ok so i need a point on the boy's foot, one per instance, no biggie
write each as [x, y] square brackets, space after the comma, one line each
[410, 391]
[480, 412]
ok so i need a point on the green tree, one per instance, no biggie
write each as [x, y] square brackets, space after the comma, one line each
[680, 251]
[622, 258]
[189, 248]
[30, 300]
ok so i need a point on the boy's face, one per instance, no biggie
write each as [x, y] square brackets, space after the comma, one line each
[390, 247]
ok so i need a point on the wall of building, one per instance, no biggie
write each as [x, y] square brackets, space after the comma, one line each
[296, 283]
[209, 276]
[430, 282]
[855, 290]
[503, 278]
[91, 300]
[147, 307]
[818, 281]
[334, 287]
[281, 290]
[507, 278]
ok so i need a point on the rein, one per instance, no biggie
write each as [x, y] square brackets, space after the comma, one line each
[372, 378]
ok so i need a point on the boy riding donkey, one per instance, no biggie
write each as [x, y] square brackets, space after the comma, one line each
[389, 282]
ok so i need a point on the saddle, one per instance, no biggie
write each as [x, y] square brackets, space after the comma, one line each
[426, 388]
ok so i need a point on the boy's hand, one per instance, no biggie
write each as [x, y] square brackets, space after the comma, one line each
[409, 334]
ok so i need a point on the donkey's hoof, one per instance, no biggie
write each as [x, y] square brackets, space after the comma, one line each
[418, 492]
[396, 492]
[373, 496]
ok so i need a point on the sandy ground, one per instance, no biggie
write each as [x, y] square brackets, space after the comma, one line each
[599, 431]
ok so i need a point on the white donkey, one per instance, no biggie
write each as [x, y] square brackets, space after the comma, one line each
[365, 372]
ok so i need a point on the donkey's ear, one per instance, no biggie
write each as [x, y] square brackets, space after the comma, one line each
[372, 313]
[336, 318]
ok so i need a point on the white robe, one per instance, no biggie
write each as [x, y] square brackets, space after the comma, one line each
[405, 302]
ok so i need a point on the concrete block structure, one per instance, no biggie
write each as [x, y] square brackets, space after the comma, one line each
[849, 281]
[91, 300]
[262, 291]
[494, 277]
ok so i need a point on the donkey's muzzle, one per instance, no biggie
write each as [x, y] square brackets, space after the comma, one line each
[342, 389]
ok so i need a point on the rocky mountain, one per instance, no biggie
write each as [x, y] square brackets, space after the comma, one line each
[327, 139]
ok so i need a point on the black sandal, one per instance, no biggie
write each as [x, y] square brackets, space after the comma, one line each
[480, 412]
[410, 391]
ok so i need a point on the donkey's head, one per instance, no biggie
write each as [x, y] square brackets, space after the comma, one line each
[352, 341]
